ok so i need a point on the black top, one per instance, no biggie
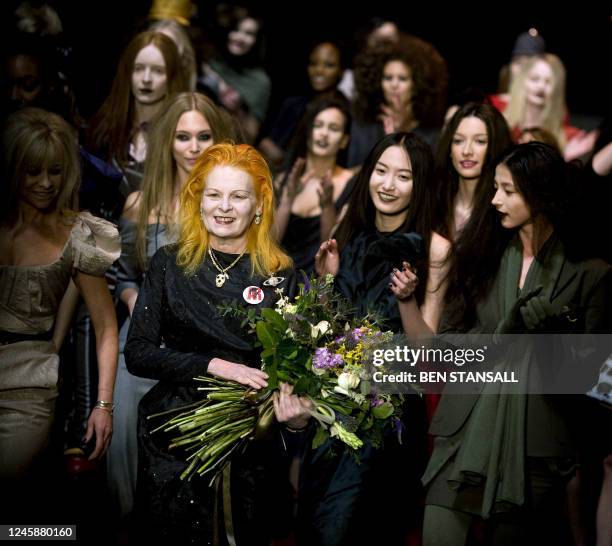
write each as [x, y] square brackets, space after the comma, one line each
[335, 505]
[366, 263]
[176, 330]
[303, 236]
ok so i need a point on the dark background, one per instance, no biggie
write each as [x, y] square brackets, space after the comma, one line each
[474, 39]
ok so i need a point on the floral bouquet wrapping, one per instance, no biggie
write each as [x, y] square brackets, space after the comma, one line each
[312, 344]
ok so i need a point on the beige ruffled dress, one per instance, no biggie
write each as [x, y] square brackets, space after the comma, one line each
[29, 300]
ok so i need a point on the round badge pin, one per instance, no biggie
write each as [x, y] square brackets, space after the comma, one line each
[253, 295]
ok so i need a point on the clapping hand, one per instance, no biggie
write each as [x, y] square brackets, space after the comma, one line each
[327, 259]
[404, 283]
[326, 190]
[296, 179]
[393, 116]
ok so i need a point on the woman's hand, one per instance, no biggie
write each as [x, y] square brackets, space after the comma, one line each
[100, 423]
[395, 116]
[290, 408]
[404, 283]
[326, 191]
[250, 377]
[296, 180]
[327, 259]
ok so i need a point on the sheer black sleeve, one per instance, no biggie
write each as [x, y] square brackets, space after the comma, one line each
[144, 353]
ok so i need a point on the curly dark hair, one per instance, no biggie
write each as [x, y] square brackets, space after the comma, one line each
[429, 76]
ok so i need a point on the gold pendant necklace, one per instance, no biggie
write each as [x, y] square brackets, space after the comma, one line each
[222, 276]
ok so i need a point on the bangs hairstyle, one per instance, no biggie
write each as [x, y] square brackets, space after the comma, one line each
[160, 173]
[34, 139]
[361, 213]
[547, 184]
[265, 253]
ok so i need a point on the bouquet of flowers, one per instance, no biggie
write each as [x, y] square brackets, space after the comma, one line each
[311, 344]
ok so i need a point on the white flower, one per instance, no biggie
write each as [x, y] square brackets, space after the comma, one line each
[348, 380]
[319, 329]
[290, 309]
[281, 304]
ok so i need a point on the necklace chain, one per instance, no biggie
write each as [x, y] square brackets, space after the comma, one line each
[222, 276]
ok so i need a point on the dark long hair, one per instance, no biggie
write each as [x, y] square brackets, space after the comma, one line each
[549, 187]
[361, 213]
[228, 17]
[298, 146]
[499, 139]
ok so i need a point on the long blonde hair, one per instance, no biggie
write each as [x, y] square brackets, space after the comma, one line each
[32, 140]
[266, 255]
[554, 110]
[160, 174]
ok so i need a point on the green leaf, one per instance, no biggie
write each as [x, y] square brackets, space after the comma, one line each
[267, 353]
[320, 438]
[266, 335]
[365, 387]
[301, 385]
[384, 411]
[276, 320]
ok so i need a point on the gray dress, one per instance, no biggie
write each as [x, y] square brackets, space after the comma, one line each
[30, 297]
[122, 456]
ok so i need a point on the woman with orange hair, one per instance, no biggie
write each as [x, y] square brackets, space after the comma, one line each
[226, 254]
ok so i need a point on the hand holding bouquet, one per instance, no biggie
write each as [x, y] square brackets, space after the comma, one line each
[311, 347]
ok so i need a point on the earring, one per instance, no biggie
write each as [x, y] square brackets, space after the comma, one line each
[258, 218]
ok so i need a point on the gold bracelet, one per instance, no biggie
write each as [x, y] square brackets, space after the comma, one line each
[107, 406]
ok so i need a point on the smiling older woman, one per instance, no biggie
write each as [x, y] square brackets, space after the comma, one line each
[226, 253]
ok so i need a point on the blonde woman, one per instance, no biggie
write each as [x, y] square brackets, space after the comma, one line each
[537, 99]
[44, 243]
[188, 125]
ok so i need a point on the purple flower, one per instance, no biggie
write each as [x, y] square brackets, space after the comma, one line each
[306, 281]
[375, 402]
[324, 359]
[357, 334]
